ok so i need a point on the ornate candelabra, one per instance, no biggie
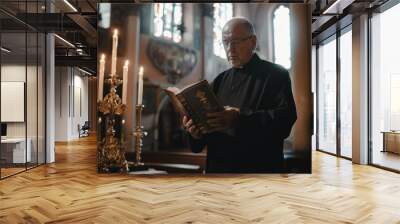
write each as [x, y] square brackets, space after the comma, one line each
[111, 154]
[111, 149]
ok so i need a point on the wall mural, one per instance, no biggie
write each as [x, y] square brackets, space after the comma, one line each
[171, 59]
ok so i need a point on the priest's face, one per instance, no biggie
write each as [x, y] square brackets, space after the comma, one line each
[238, 43]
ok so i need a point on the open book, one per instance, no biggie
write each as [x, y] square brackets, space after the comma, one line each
[195, 101]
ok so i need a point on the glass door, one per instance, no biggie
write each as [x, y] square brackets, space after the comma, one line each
[345, 127]
[385, 89]
[326, 99]
[13, 94]
[22, 77]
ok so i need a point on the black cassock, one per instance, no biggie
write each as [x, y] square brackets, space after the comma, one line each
[262, 91]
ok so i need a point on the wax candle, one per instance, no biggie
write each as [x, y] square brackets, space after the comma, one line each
[114, 53]
[140, 86]
[125, 82]
[101, 78]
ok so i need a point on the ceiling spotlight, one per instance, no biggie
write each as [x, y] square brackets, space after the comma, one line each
[84, 71]
[70, 5]
[5, 50]
[65, 41]
[337, 7]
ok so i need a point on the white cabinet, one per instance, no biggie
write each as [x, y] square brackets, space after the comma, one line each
[16, 147]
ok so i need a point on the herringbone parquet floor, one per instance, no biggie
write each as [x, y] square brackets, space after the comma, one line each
[70, 191]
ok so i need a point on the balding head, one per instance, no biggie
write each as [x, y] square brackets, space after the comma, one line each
[239, 41]
[239, 21]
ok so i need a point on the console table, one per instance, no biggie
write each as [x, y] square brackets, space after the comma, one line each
[391, 141]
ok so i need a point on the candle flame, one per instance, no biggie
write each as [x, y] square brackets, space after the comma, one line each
[103, 57]
[141, 70]
[126, 63]
[115, 32]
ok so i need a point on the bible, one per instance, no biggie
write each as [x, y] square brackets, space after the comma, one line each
[195, 101]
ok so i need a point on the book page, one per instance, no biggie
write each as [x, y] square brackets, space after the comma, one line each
[173, 90]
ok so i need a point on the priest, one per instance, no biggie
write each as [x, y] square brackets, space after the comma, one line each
[247, 137]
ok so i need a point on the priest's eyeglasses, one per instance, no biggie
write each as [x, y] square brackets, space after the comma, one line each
[235, 42]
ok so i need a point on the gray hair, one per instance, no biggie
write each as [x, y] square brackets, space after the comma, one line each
[242, 21]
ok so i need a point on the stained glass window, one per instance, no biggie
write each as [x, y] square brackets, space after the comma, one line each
[222, 13]
[282, 49]
[168, 21]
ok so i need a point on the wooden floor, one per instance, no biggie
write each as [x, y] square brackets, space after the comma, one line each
[10, 171]
[70, 191]
[386, 159]
[5, 172]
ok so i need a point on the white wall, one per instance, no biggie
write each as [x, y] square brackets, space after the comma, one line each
[61, 103]
[16, 73]
[33, 127]
[13, 73]
[71, 102]
[79, 117]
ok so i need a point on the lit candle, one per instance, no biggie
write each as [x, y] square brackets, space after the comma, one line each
[140, 86]
[114, 53]
[101, 78]
[125, 82]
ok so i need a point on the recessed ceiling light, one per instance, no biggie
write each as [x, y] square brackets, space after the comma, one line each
[70, 5]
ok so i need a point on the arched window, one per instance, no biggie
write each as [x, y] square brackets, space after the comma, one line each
[105, 12]
[282, 48]
[168, 21]
[222, 13]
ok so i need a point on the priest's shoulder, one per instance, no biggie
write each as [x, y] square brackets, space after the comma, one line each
[221, 76]
[217, 81]
[274, 69]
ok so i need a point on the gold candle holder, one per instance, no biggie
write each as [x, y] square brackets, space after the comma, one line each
[139, 134]
[111, 152]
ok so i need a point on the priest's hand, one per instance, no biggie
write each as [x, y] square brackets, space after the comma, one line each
[223, 120]
[194, 131]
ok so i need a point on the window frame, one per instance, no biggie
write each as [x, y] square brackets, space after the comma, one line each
[334, 37]
[380, 9]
